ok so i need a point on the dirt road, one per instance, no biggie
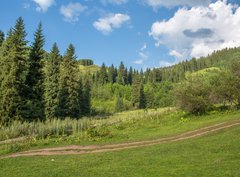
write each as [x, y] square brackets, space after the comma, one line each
[121, 146]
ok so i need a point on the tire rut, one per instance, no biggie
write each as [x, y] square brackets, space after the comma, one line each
[74, 149]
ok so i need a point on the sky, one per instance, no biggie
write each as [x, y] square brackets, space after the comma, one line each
[141, 33]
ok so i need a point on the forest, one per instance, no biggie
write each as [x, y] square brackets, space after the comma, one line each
[40, 85]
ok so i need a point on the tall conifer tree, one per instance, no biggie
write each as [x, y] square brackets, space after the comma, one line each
[34, 79]
[51, 83]
[14, 66]
[69, 85]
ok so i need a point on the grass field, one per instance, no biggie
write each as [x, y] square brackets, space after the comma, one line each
[214, 155]
[125, 127]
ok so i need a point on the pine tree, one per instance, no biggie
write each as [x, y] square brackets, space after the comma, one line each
[69, 85]
[142, 98]
[34, 79]
[51, 81]
[14, 66]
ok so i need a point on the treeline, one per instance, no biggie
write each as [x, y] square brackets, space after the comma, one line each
[37, 85]
[85, 62]
[177, 72]
[118, 88]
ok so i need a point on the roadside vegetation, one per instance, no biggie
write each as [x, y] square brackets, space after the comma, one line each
[215, 155]
[122, 127]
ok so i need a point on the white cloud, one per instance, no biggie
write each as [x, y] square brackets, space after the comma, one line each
[163, 63]
[175, 54]
[111, 21]
[144, 47]
[43, 5]
[118, 2]
[143, 55]
[72, 11]
[198, 31]
[171, 3]
[138, 62]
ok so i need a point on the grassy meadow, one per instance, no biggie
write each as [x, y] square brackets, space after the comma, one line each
[214, 155]
[121, 127]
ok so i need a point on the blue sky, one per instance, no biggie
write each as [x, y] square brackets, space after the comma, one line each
[141, 33]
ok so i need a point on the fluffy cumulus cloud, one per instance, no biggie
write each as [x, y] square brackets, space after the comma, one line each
[198, 31]
[118, 2]
[43, 5]
[107, 24]
[171, 3]
[72, 11]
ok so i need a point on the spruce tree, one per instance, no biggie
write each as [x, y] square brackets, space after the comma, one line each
[121, 74]
[111, 77]
[130, 75]
[142, 98]
[103, 77]
[34, 79]
[135, 90]
[51, 83]
[69, 85]
[14, 67]
[1, 37]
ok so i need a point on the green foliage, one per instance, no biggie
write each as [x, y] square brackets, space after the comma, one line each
[86, 98]
[34, 78]
[142, 98]
[13, 73]
[103, 77]
[69, 98]
[85, 62]
[1, 37]
[119, 104]
[51, 80]
[193, 94]
[121, 77]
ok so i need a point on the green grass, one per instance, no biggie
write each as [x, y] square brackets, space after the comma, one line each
[125, 127]
[215, 155]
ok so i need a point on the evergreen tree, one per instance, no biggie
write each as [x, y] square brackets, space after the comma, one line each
[14, 65]
[111, 77]
[142, 98]
[69, 86]
[103, 77]
[135, 90]
[130, 75]
[34, 79]
[51, 81]
[121, 74]
[125, 76]
[1, 37]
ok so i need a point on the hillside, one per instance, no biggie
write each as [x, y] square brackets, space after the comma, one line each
[175, 73]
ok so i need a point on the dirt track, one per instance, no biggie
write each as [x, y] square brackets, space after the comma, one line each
[117, 147]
